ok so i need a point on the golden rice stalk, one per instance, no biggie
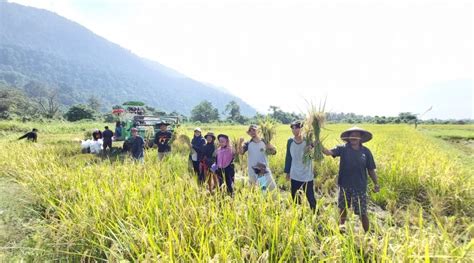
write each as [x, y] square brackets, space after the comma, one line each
[268, 128]
[315, 120]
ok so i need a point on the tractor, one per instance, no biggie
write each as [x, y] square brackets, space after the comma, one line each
[133, 115]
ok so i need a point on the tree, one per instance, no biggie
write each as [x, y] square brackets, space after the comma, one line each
[94, 103]
[204, 112]
[407, 117]
[233, 109]
[79, 112]
[283, 117]
[46, 98]
[13, 102]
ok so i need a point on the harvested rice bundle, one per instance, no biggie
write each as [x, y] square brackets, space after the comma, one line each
[315, 121]
[268, 128]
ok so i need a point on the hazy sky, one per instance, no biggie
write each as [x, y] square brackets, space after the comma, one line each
[368, 57]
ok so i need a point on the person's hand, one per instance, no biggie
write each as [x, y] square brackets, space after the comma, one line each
[288, 177]
[376, 188]
[241, 140]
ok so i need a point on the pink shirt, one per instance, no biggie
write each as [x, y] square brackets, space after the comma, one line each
[224, 157]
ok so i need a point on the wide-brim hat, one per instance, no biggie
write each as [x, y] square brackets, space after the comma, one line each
[222, 136]
[260, 166]
[210, 134]
[197, 129]
[162, 123]
[365, 136]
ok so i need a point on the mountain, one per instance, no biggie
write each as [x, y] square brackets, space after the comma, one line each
[37, 45]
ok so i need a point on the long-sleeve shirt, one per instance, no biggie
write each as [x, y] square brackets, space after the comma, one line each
[224, 157]
[29, 136]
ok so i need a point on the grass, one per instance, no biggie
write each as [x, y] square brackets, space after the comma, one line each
[112, 209]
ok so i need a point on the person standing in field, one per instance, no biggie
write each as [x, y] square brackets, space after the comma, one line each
[107, 135]
[162, 140]
[356, 161]
[257, 153]
[196, 144]
[297, 170]
[30, 136]
[137, 146]
[118, 130]
[206, 159]
[225, 166]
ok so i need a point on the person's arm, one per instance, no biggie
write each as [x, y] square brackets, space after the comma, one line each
[24, 136]
[371, 169]
[373, 176]
[288, 159]
[269, 148]
[242, 148]
[327, 152]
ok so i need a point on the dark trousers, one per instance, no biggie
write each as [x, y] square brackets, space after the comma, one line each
[228, 173]
[308, 188]
[196, 167]
[107, 143]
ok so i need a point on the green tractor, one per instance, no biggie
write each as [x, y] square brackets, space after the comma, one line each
[132, 114]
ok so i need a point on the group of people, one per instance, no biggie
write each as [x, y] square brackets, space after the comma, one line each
[106, 137]
[213, 163]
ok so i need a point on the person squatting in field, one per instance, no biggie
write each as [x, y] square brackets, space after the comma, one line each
[355, 161]
[297, 170]
[257, 153]
[225, 163]
[30, 136]
[162, 140]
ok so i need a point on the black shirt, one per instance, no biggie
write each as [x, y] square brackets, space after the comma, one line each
[29, 136]
[353, 166]
[162, 139]
[107, 135]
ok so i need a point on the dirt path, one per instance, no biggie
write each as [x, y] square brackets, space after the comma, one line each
[17, 221]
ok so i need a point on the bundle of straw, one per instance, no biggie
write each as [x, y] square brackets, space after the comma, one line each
[314, 122]
[268, 128]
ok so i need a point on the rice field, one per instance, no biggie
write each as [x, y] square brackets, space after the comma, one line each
[96, 208]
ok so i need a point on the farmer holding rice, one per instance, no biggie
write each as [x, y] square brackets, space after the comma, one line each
[356, 160]
[258, 150]
[225, 162]
[296, 168]
[162, 139]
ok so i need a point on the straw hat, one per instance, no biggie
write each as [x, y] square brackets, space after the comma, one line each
[210, 134]
[365, 135]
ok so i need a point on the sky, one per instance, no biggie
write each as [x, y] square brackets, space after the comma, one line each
[367, 57]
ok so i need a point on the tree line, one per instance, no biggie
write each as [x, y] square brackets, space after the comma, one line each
[35, 102]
